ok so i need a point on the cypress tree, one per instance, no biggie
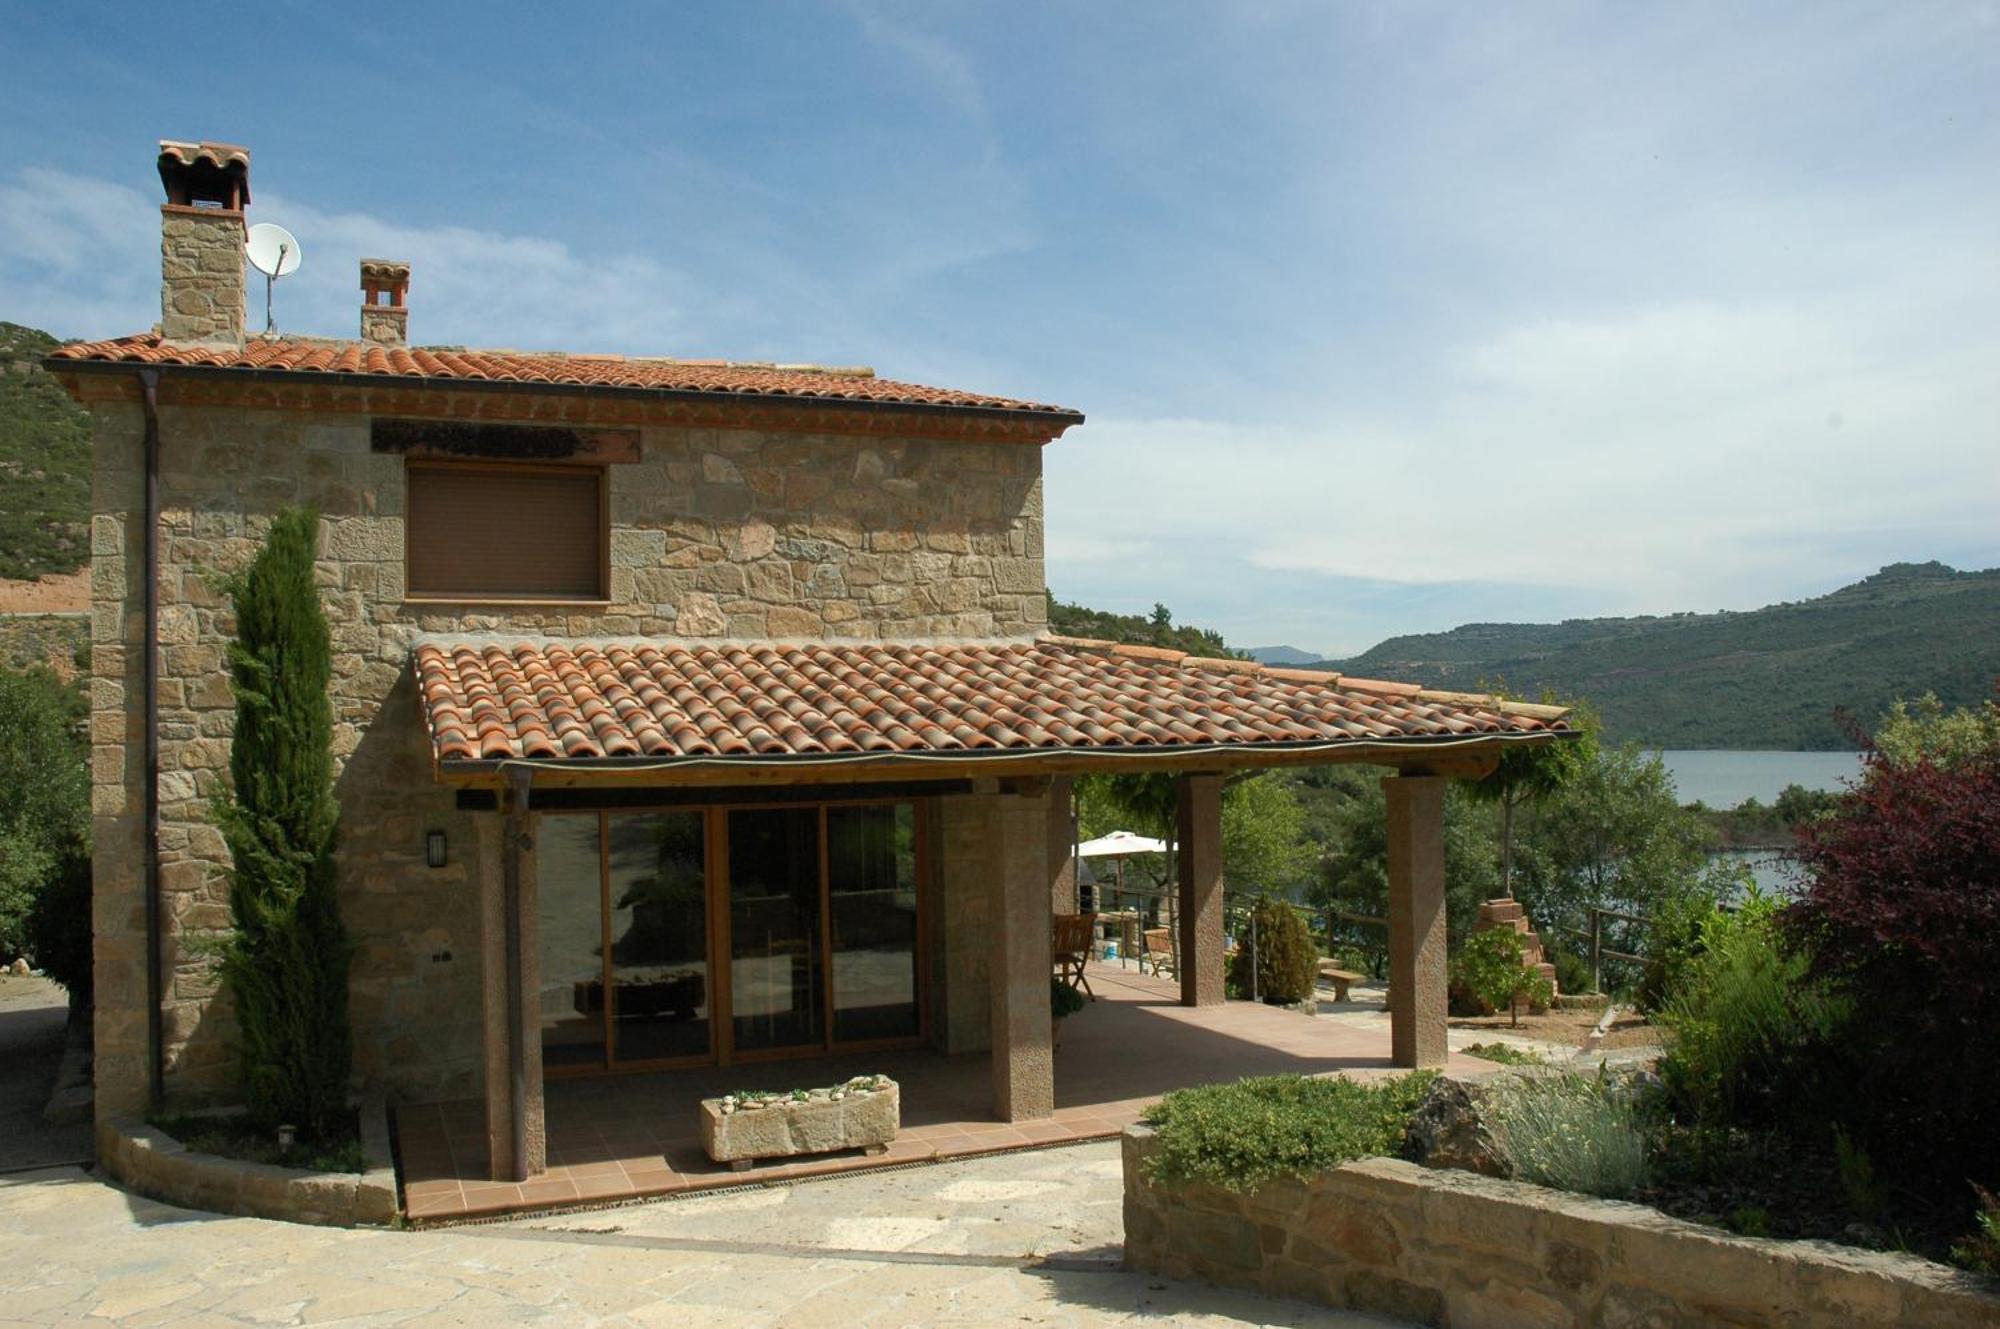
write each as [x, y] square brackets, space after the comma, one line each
[286, 960]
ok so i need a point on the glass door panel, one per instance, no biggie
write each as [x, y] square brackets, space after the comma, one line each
[569, 911]
[774, 929]
[872, 890]
[658, 874]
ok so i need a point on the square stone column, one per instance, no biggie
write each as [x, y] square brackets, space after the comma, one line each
[1198, 858]
[1417, 960]
[1017, 882]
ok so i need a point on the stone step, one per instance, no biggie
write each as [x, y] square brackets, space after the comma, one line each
[1501, 911]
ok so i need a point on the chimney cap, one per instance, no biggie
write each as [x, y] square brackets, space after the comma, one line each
[218, 172]
[384, 270]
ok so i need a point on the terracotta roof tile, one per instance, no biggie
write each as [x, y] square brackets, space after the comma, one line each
[675, 700]
[555, 368]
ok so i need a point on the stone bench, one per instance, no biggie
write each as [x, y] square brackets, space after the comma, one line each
[1340, 978]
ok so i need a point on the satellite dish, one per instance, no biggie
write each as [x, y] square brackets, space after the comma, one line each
[274, 253]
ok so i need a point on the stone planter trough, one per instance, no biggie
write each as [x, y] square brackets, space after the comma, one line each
[864, 1113]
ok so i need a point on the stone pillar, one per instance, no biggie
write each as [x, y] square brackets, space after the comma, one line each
[1198, 856]
[966, 831]
[1416, 920]
[1017, 881]
[1062, 843]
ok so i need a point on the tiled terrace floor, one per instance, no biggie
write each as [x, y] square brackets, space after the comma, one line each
[620, 1137]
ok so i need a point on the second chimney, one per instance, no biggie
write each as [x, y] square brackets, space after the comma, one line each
[385, 302]
[202, 296]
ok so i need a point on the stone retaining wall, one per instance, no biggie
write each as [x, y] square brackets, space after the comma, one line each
[153, 1163]
[1457, 1249]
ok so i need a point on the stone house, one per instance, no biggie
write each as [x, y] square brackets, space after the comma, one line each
[688, 712]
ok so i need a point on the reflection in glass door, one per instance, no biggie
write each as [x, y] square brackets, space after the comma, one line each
[570, 922]
[872, 895]
[775, 974]
[657, 870]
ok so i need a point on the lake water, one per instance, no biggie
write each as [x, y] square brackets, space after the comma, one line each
[1724, 778]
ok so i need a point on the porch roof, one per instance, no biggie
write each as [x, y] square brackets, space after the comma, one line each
[668, 710]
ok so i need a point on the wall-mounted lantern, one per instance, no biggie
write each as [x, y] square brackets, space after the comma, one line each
[434, 848]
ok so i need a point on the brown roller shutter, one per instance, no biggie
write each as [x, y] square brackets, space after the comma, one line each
[506, 532]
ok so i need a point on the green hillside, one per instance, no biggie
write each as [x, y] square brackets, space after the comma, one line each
[1155, 629]
[1765, 678]
[44, 463]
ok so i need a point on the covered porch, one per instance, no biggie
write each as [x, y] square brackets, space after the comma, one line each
[627, 1136]
[772, 764]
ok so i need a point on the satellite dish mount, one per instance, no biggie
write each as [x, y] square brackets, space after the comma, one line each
[274, 253]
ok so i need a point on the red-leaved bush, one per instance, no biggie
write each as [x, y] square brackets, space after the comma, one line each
[1902, 913]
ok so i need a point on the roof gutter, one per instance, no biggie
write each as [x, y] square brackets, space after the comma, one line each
[1186, 753]
[1062, 419]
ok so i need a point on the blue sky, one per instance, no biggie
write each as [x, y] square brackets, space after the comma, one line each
[1386, 317]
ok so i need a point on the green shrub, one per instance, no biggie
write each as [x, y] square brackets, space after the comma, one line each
[44, 822]
[1490, 967]
[286, 959]
[1572, 969]
[1285, 956]
[1570, 1132]
[1980, 1252]
[1753, 1033]
[1238, 1135]
[1506, 1054]
[1064, 1000]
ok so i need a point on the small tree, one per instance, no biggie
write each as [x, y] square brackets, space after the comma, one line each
[1283, 954]
[286, 960]
[1527, 774]
[1490, 967]
[44, 827]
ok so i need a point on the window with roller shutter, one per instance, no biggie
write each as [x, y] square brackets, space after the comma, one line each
[478, 531]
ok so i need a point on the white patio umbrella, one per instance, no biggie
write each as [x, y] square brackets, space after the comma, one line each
[1120, 843]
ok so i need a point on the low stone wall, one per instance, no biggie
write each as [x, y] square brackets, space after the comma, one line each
[153, 1163]
[1457, 1249]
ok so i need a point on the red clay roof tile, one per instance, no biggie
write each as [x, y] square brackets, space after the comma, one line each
[678, 700]
[452, 364]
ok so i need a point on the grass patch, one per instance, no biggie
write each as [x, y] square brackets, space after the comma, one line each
[233, 1137]
[1506, 1054]
[1238, 1135]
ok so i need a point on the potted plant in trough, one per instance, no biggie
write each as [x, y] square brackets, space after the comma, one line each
[1064, 1001]
[862, 1113]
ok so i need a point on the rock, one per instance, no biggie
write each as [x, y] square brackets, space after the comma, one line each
[1447, 1130]
[19, 969]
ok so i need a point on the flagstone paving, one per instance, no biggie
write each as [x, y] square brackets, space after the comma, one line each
[1018, 1239]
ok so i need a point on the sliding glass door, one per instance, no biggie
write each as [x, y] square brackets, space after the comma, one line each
[691, 936]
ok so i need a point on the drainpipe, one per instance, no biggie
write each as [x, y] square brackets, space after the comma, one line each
[515, 842]
[149, 384]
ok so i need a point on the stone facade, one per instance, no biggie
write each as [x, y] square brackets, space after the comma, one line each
[1456, 1249]
[202, 296]
[714, 533]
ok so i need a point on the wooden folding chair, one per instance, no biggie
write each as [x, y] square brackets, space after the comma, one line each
[1073, 936]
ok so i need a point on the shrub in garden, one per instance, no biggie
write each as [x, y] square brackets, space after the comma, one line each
[1238, 1135]
[1574, 1133]
[1064, 1000]
[286, 960]
[1902, 913]
[1285, 955]
[44, 827]
[1753, 1033]
[1489, 966]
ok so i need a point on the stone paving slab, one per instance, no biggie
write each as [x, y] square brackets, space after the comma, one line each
[1022, 1239]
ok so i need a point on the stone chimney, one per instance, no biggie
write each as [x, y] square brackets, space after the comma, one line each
[202, 290]
[385, 302]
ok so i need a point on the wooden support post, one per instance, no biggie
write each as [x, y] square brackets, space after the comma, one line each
[1417, 959]
[1198, 855]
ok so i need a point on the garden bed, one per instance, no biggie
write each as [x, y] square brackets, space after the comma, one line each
[153, 1162]
[1446, 1247]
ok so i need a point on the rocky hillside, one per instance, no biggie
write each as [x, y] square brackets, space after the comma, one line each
[1763, 678]
[44, 463]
